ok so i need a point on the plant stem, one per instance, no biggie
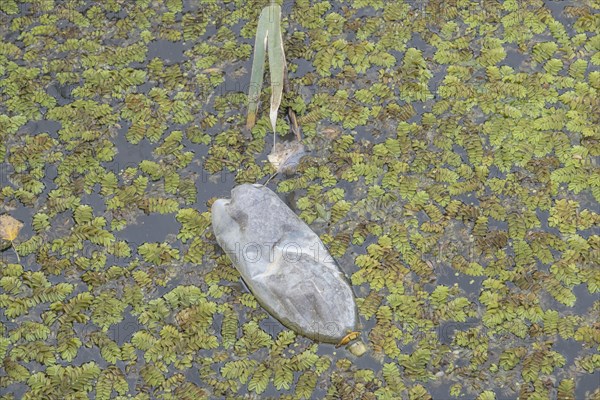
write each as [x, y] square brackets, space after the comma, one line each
[17, 254]
[271, 177]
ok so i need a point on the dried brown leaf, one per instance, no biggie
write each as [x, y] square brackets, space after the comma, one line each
[9, 227]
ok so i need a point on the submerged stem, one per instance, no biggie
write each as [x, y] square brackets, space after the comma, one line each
[271, 177]
[17, 254]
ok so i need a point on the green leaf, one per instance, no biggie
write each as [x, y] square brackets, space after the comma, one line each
[260, 379]
[240, 369]
[268, 38]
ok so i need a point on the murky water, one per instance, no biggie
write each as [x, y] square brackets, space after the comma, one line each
[214, 64]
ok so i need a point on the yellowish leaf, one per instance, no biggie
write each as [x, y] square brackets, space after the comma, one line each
[9, 227]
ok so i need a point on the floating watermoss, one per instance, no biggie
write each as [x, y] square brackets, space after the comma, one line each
[454, 164]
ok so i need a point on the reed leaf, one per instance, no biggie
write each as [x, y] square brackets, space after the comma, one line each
[268, 38]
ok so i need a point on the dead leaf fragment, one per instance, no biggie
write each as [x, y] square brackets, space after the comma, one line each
[286, 156]
[9, 227]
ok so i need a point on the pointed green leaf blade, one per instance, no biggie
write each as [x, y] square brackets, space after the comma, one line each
[258, 66]
[276, 61]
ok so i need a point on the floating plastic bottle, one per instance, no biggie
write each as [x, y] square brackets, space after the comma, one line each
[285, 265]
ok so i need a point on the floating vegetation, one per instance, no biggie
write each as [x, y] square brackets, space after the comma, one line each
[453, 174]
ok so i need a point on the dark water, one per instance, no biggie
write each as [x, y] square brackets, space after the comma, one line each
[164, 227]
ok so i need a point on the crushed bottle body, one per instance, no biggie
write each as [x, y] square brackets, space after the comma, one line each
[284, 264]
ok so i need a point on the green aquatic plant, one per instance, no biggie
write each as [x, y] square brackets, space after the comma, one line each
[158, 253]
[481, 181]
[111, 378]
